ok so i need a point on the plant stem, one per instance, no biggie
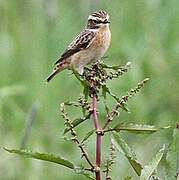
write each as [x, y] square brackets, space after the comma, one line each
[98, 132]
[75, 138]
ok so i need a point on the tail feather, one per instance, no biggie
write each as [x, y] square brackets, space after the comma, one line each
[58, 68]
[51, 76]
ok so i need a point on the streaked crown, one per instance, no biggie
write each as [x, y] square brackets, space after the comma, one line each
[97, 19]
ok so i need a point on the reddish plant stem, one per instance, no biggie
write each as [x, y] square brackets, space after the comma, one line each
[98, 132]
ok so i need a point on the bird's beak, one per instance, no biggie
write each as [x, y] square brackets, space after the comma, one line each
[106, 22]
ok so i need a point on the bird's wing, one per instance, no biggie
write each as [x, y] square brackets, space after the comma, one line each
[82, 41]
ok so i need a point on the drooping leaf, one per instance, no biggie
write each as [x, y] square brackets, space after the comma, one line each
[124, 148]
[148, 170]
[89, 134]
[42, 156]
[77, 122]
[172, 158]
[137, 128]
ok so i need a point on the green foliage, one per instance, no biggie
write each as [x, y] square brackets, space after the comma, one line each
[149, 169]
[173, 156]
[42, 156]
[124, 148]
[89, 134]
[136, 128]
[32, 36]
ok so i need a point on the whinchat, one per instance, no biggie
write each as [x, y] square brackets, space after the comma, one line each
[88, 47]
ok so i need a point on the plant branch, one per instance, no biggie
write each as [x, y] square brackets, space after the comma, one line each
[75, 138]
[110, 161]
[122, 102]
[98, 132]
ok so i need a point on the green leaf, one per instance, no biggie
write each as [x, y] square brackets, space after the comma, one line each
[81, 170]
[77, 122]
[148, 170]
[88, 176]
[128, 178]
[124, 148]
[79, 77]
[115, 67]
[71, 103]
[104, 91]
[172, 158]
[107, 90]
[86, 92]
[42, 156]
[89, 134]
[137, 128]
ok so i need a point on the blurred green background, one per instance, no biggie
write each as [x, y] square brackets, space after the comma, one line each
[33, 33]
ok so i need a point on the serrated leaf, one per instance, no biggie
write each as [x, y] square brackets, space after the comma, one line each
[148, 170]
[42, 156]
[124, 148]
[77, 122]
[89, 134]
[172, 158]
[137, 128]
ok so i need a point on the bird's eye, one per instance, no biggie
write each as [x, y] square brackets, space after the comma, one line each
[95, 21]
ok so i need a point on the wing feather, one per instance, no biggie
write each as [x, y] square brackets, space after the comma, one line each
[82, 41]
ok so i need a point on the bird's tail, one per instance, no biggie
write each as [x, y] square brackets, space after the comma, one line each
[58, 68]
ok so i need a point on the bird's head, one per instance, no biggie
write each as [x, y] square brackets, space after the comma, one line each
[98, 19]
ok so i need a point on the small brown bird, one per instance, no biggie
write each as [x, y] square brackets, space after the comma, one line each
[88, 47]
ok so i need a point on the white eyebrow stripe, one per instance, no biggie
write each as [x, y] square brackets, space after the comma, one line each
[94, 18]
[97, 18]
